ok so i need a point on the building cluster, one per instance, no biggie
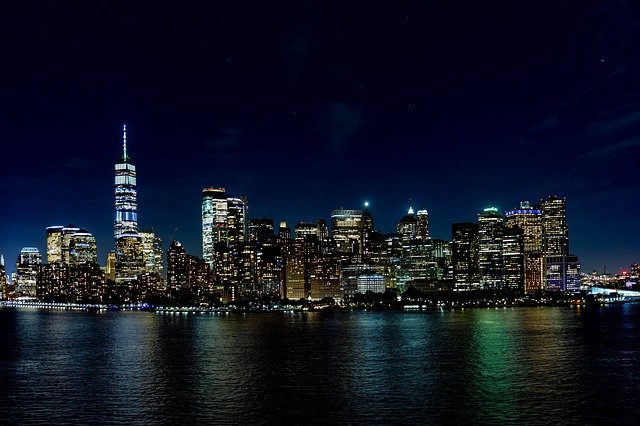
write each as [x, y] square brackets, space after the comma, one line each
[524, 250]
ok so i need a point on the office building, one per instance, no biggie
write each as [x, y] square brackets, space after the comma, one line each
[562, 270]
[407, 227]
[126, 198]
[490, 233]
[54, 244]
[513, 259]
[27, 268]
[528, 218]
[422, 224]
[347, 231]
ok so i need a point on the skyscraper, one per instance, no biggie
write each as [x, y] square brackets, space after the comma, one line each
[126, 201]
[490, 235]
[347, 229]
[562, 270]
[54, 244]
[27, 267]
[214, 221]
[554, 226]
[422, 231]
[528, 218]
[129, 257]
[151, 252]
[464, 255]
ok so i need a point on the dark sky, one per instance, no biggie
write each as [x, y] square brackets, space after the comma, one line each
[310, 106]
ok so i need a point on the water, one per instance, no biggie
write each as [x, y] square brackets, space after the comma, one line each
[519, 365]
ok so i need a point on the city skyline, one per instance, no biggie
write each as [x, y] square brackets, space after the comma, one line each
[309, 108]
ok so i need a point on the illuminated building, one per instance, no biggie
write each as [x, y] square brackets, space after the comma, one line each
[3, 279]
[513, 256]
[237, 220]
[54, 244]
[53, 282]
[490, 264]
[360, 278]
[152, 255]
[304, 230]
[464, 256]
[270, 267]
[176, 266]
[347, 229]
[224, 220]
[367, 230]
[111, 266]
[529, 219]
[297, 264]
[407, 227]
[151, 251]
[324, 279]
[27, 268]
[248, 270]
[284, 234]
[563, 273]
[422, 260]
[214, 221]
[555, 232]
[83, 248]
[68, 233]
[260, 229]
[129, 258]
[562, 270]
[126, 204]
[422, 225]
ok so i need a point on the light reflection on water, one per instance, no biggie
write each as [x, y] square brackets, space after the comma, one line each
[533, 365]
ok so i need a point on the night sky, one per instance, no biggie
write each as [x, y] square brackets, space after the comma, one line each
[311, 106]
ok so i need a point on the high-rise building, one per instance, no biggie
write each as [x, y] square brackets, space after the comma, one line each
[129, 258]
[151, 251]
[177, 271]
[367, 230]
[27, 268]
[224, 220]
[304, 230]
[324, 279]
[260, 229]
[54, 244]
[214, 221]
[126, 198]
[237, 220]
[528, 218]
[513, 256]
[555, 232]
[347, 230]
[490, 232]
[83, 248]
[407, 227]
[422, 229]
[110, 272]
[68, 232]
[284, 232]
[464, 256]
[562, 270]
[3, 278]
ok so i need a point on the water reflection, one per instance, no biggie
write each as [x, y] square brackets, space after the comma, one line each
[544, 365]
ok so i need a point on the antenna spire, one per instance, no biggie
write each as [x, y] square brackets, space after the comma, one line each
[124, 142]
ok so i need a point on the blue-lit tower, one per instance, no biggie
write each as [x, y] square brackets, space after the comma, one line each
[129, 251]
[126, 197]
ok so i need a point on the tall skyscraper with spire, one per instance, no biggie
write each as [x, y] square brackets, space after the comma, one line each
[126, 197]
[129, 253]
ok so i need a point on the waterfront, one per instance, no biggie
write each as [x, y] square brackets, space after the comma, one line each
[536, 365]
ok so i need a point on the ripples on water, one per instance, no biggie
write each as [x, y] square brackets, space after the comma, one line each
[532, 365]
